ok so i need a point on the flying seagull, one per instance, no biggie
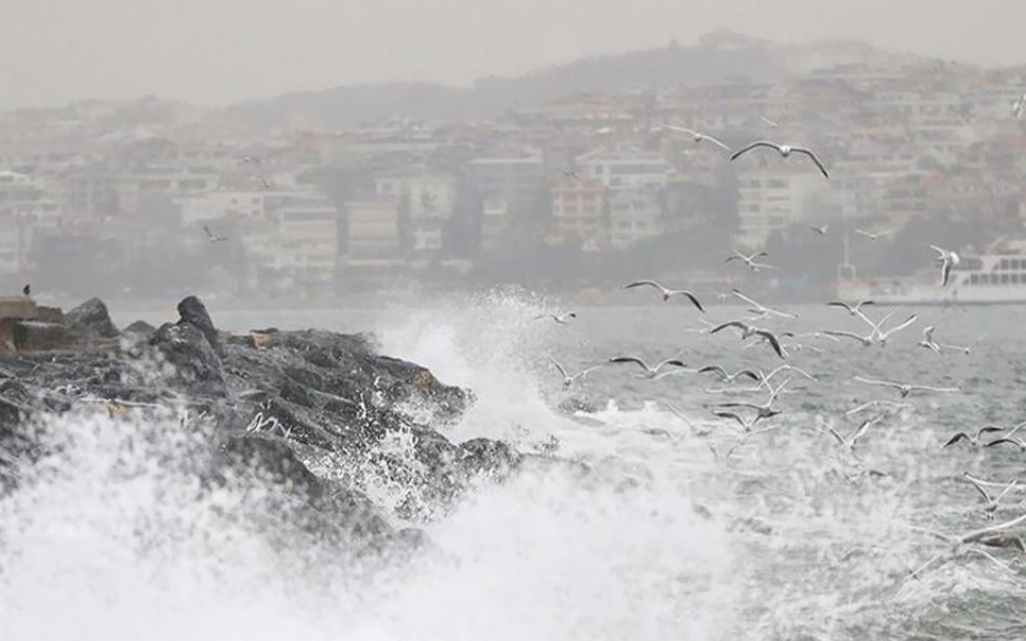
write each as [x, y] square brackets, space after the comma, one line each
[570, 379]
[763, 411]
[750, 260]
[892, 404]
[784, 150]
[667, 293]
[571, 174]
[27, 290]
[928, 342]
[820, 230]
[947, 260]
[870, 235]
[875, 334]
[562, 319]
[248, 160]
[698, 137]
[211, 237]
[973, 439]
[991, 536]
[850, 442]
[761, 310]
[992, 503]
[1019, 106]
[904, 389]
[748, 331]
[768, 122]
[727, 377]
[651, 372]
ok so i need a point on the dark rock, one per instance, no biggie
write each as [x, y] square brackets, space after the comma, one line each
[90, 321]
[197, 367]
[483, 456]
[140, 327]
[35, 336]
[192, 311]
[50, 315]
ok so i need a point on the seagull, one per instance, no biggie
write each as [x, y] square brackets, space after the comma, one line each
[569, 379]
[876, 334]
[784, 150]
[762, 411]
[992, 502]
[850, 442]
[928, 342]
[1019, 106]
[750, 260]
[820, 230]
[904, 389]
[947, 260]
[974, 439]
[248, 160]
[766, 378]
[748, 331]
[761, 310]
[211, 237]
[562, 319]
[989, 536]
[871, 235]
[704, 431]
[266, 184]
[651, 372]
[730, 378]
[768, 122]
[698, 137]
[571, 174]
[27, 290]
[745, 425]
[853, 310]
[667, 293]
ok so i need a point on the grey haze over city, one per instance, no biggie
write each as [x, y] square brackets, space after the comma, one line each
[355, 147]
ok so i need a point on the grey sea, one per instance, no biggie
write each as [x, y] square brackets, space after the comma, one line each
[688, 528]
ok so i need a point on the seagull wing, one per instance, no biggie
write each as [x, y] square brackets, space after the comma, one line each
[754, 145]
[846, 306]
[713, 368]
[630, 359]
[732, 415]
[987, 429]
[1013, 441]
[774, 343]
[690, 296]
[559, 367]
[908, 321]
[843, 334]
[871, 381]
[644, 283]
[978, 534]
[946, 272]
[716, 142]
[983, 492]
[676, 362]
[961, 436]
[808, 152]
[749, 373]
[746, 299]
[738, 324]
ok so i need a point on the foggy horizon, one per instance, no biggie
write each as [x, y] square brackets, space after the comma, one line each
[238, 53]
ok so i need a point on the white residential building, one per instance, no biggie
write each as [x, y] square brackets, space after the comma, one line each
[771, 200]
[625, 167]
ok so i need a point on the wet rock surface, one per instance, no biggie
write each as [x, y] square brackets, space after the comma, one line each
[314, 413]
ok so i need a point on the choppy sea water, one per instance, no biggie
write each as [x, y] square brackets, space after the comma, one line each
[788, 537]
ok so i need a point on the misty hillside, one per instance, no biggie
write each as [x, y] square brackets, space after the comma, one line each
[721, 57]
[718, 58]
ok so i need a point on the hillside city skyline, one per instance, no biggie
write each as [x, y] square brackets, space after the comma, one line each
[567, 180]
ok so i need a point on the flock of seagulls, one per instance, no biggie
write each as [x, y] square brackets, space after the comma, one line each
[751, 418]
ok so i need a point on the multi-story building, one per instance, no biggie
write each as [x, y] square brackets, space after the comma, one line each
[426, 199]
[634, 214]
[625, 167]
[579, 211]
[772, 199]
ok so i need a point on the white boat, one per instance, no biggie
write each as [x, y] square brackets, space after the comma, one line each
[995, 276]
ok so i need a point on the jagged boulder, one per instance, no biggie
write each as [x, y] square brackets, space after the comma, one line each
[90, 321]
[197, 367]
[192, 311]
[140, 328]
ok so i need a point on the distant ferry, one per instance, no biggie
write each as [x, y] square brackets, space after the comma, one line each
[996, 276]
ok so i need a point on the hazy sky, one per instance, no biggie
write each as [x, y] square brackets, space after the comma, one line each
[220, 51]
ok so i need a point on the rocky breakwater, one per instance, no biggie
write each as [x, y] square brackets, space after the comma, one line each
[319, 417]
